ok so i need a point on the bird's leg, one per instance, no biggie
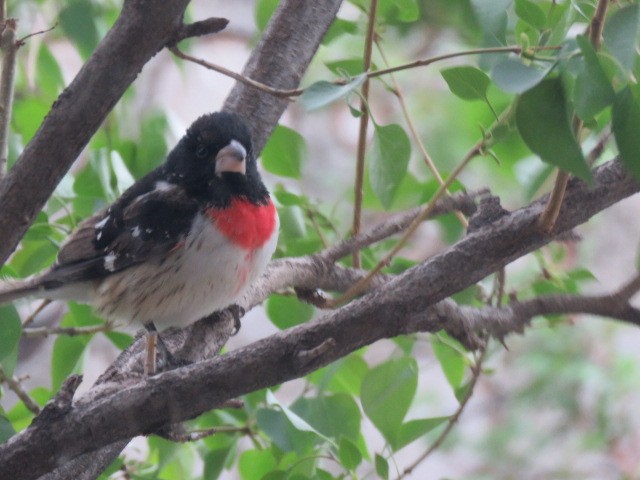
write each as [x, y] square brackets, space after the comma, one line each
[155, 344]
[150, 350]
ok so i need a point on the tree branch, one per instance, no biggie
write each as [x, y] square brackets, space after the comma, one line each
[80, 109]
[402, 306]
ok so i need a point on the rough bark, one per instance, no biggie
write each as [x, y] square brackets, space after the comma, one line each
[400, 306]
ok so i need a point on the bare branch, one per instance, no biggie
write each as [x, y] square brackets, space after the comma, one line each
[403, 306]
[9, 48]
[199, 29]
[362, 129]
[14, 385]
[80, 110]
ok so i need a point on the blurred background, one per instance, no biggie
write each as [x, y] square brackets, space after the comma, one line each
[558, 402]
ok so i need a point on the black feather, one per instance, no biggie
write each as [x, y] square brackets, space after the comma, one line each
[150, 219]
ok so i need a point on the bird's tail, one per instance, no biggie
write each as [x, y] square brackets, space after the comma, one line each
[13, 289]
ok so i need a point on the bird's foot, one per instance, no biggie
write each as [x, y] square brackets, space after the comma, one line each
[237, 312]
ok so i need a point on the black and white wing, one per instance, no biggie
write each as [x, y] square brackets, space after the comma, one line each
[130, 232]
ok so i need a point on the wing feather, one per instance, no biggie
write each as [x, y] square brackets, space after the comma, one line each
[146, 227]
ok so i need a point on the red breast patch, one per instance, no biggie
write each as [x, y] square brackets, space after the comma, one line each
[247, 225]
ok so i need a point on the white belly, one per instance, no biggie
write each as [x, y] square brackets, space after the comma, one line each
[207, 274]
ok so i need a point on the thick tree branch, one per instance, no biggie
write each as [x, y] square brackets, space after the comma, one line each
[402, 306]
[285, 50]
[280, 59]
[80, 110]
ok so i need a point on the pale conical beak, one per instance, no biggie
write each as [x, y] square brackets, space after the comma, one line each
[232, 158]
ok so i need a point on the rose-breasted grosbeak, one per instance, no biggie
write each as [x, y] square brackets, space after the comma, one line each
[182, 242]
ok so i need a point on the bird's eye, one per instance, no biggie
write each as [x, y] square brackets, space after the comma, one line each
[202, 152]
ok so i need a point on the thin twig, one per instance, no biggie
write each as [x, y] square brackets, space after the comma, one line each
[294, 92]
[276, 92]
[362, 131]
[29, 320]
[70, 331]
[476, 371]
[14, 385]
[428, 61]
[360, 286]
[414, 133]
[550, 214]
[9, 48]
[21, 41]
[397, 223]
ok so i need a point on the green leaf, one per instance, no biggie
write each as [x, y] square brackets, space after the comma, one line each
[287, 311]
[254, 464]
[322, 93]
[492, 17]
[382, 467]
[593, 91]
[264, 11]
[292, 224]
[120, 340]
[288, 199]
[298, 422]
[389, 160]
[151, 148]
[77, 20]
[625, 121]
[49, 75]
[348, 375]
[67, 352]
[338, 28]
[451, 361]
[394, 11]
[11, 329]
[121, 176]
[33, 257]
[27, 116]
[620, 35]
[6, 429]
[20, 416]
[415, 429]
[283, 152]
[279, 429]
[387, 393]
[513, 76]
[531, 13]
[347, 66]
[334, 416]
[543, 123]
[349, 454]
[468, 83]
[214, 462]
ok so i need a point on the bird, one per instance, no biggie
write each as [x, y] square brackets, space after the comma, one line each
[185, 240]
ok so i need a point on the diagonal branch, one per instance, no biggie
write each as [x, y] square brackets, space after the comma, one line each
[403, 306]
[80, 109]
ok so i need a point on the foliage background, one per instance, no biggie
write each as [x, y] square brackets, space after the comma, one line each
[558, 404]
